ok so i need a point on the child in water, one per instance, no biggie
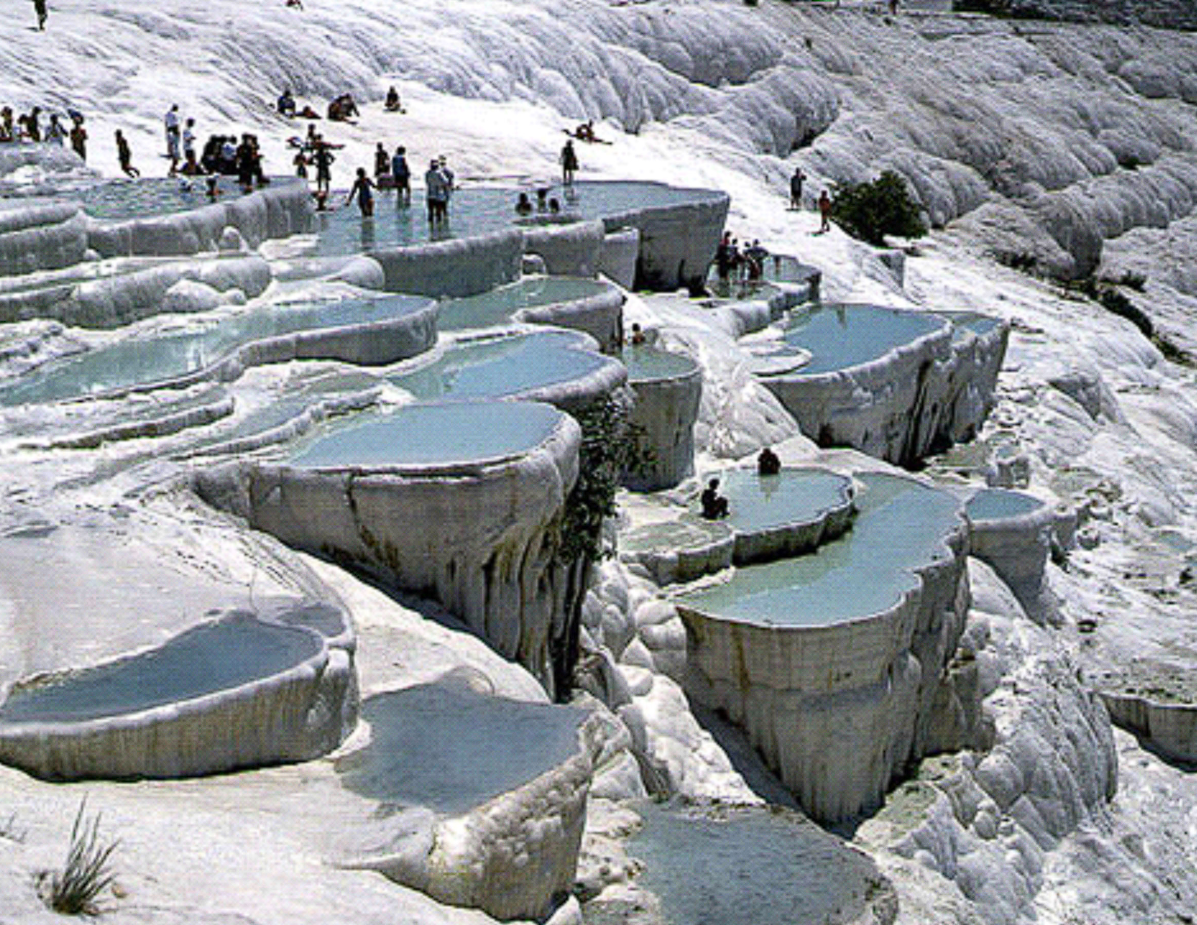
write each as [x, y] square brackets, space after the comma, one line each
[363, 188]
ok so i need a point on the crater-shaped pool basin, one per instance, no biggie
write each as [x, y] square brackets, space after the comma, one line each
[433, 745]
[429, 435]
[900, 525]
[843, 336]
[1000, 504]
[216, 656]
[499, 306]
[505, 366]
[145, 361]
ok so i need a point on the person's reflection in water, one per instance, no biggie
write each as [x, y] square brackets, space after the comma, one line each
[368, 234]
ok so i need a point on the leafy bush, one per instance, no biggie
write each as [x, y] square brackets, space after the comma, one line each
[1132, 280]
[86, 874]
[870, 211]
[610, 446]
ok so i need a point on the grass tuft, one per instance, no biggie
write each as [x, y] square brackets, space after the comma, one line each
[87, 872]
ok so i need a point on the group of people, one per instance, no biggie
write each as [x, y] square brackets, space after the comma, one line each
[28, 127]
[824, 202]
[715, 506]
[734, 262]
[391, 171]
[287, 106]
[544, 203]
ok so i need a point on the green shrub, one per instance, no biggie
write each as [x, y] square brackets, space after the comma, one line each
[870, 211]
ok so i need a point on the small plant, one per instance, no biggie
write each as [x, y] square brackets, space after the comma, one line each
[1132, 280]
[870, 211]
[1018, 261]
[87, 873]
[9, 831]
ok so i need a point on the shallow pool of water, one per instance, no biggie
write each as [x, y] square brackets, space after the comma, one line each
[843, 336]
[475, 210]
[146, 361]
[1000, 503]
[499, 305]
[747, 865]
[209, 658]
[971, 322]
[504, 366]
[434, 745]
[431, 435]
[900, 526]
[793, 496]
[119, 200]
[647, 363]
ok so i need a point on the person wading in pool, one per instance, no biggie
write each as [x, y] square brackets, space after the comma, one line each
[569, 163]
[401, 175]
[714, 505]
[363, 189]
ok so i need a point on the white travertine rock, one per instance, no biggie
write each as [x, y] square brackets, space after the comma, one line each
[617, 260]
[277, 211]
[1169, 725]
[915, 397]
[572, 249]
[295, 714]
[1017, 547]
[677, 242]
[487, 539]
[38, 234]
[599, 315]
[508, 846]
[666, 409]
[466, 266]
[837, 709]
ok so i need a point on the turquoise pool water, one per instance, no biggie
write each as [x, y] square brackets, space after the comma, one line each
[434, 745]
[119, 200]
[1000, 503]
[646, 363]
[843, 336]
[760, 502]
[209, 658]
[900, 526]
[431, 435]
[504, 366]
[147, 361]
[476, 210]
[746, 865]
[499, 305]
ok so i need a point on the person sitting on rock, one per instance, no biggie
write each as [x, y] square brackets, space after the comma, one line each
[714, 505]
[286, 104]
[637, 337]
[768, 462]
[392, 102]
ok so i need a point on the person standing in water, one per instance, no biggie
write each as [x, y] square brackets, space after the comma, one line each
[125, 156]
[39, 7]
[569, 163]
[401, 174]
[363, 189]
